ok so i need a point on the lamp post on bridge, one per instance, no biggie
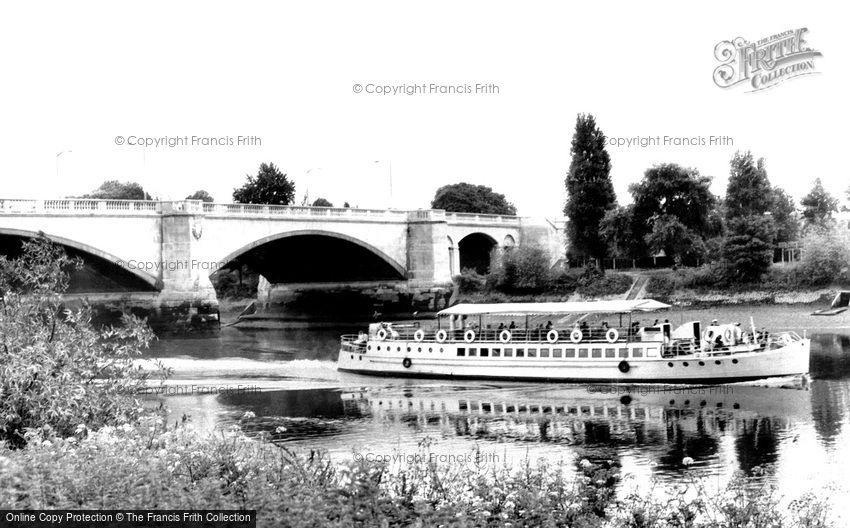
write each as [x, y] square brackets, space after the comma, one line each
[58, 154]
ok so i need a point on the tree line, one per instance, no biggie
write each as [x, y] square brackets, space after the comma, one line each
[674, 211]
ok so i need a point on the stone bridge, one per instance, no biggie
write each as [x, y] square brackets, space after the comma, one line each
[163, 253]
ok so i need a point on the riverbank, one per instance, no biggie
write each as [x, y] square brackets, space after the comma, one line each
[132, 467]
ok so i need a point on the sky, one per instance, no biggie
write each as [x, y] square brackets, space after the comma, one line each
[76, 76]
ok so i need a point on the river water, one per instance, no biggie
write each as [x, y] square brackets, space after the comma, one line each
[287, 378]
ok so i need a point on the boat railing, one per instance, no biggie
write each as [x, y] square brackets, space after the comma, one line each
[541, 336]
[353, 342]
[764, 341]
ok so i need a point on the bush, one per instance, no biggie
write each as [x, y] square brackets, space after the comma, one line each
[523, 269]
[56, 370]
[661, 286]
[826, 258]
[608, 284]
[470, 281]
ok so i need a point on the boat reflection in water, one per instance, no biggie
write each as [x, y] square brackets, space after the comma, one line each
[657, 426]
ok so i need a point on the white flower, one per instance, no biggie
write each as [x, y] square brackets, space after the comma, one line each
[248, 415]
[280, 429]
[687, 461]
[80, 428]
[585, 463]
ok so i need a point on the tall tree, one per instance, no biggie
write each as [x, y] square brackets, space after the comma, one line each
[468, 198]
[115, 190]
[672, 191]
[748, 248]
[784, 216]
[616, 230]
[818, 206]
[749, 191]
[269, 186]
[322, 202]
[201, 195]
[590, 192]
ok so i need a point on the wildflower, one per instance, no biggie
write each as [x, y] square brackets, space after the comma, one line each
[585, 463]
[80, 428]
[280, 429]
[687, 461]
[248, 415]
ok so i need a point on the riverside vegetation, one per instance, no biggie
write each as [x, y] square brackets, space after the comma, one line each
[74, 435]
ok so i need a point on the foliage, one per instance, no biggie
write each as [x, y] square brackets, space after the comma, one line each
[670, 192]
[56, 370]
[115, 190]
[674, 238]
[749, 192]
[470, 281]
[201, 195]
[784, 216]
[237, 282]
[826, 258]
[322, 202]
[269, 186]
[131, 468]
[818, 206]
[590, 192]
[615, 229]
[521, 269]
[748, 248]
[469, 198]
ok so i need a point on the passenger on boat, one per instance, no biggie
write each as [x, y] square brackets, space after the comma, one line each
[548, 325]
[512, 326]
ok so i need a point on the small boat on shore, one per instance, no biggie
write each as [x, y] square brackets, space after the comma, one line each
[596, 341]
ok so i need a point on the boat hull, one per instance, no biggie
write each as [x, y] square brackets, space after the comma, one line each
[411, 359]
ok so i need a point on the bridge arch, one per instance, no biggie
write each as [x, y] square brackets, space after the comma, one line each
[475, 250]
[103, 259]
[392, 267]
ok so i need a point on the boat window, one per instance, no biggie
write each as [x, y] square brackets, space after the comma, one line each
[497, 352]
[509, 352]
[497, 408]
[510, 408]
[532, 352]
[461, 351]
[569, 352]
[597, 352]
[637, 352]
[582, 352]
[624, 352]
[485, 352]
[485, 407]
[651, 352]
[610, 352]
[556, 352]
[544, 352]
[520, 352]
[473, 352]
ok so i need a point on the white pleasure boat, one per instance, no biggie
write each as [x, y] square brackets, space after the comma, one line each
[596, 341]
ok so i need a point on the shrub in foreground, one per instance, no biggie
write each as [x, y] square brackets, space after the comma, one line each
[56, 369]
[152, 466]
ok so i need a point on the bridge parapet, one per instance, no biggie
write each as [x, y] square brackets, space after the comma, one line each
[81, 206]
[85, 206]
[485, 219]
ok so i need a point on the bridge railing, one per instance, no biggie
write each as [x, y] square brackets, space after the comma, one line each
[472, 218]
[85, 206]
[225, 209]
[80, 206]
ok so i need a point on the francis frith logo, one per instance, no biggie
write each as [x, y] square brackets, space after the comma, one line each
[765, 63]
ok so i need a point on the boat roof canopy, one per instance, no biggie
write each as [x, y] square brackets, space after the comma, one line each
[637, 305]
